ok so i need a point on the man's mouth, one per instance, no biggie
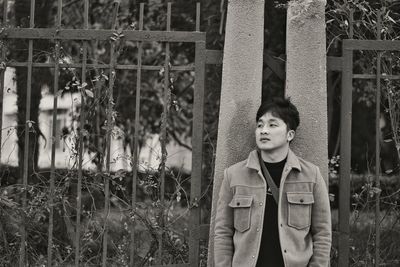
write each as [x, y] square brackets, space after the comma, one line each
[264, 139]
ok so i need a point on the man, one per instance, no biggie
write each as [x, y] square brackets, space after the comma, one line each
[273, 208]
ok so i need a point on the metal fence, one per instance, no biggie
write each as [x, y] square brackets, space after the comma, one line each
[87, 36]
[345, 65]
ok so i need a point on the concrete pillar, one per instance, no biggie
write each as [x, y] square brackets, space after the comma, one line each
[241, 90]
[306, 78]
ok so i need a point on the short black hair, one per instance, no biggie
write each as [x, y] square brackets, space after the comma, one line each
[281, 108]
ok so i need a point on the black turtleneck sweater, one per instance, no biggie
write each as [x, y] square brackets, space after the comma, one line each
[270, 254]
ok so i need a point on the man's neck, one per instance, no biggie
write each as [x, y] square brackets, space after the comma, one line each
[274, 156]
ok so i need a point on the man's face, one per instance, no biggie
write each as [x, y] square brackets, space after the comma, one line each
[272, 134]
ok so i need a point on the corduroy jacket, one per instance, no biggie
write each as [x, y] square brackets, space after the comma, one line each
[304, 218]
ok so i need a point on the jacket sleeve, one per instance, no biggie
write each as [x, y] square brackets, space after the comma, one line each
[321, 224]
[223, 238]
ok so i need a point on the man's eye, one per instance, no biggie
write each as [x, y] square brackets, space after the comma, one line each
[259, 125]
[273, 125]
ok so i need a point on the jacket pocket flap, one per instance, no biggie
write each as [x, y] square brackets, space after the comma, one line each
[300, 197]
[241, 202]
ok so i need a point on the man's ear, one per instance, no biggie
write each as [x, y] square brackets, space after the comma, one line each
[290, 135]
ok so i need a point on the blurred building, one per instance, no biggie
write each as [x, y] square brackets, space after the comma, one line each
[149, 156]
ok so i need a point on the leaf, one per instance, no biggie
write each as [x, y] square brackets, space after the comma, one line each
[389, 171]
[391, 19]
[85, 132]
[89, 93]
[376, 190]
[59, 93]
[30, 123]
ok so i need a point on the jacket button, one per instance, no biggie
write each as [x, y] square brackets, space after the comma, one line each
[284, 251]
[238, 203]
[281, 225]
[261, 203]
[258, 229]
[253, 256]
[301, 200]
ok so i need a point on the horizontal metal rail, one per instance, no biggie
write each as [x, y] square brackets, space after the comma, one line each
[173, 265]
[103, 66]
[212, 57]
[101, 35]
[378, 45]
[335, 64]
[373, 76]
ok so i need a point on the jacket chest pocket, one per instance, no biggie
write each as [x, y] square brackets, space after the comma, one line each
[241, 212]
[299, 209]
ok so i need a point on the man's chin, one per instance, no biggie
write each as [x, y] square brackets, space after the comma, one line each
[264, 148]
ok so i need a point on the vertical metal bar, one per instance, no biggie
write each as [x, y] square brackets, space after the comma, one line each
[54, 137]
[377, 158]
[377, 143]
[26, 155]
[5, 12]
[2, 73]
[97, 95]
[198, 17]
[351, 24]
[345, 155]
[164, 119]
[108, 151]
[110, 124]
[136, 134]
[197, 153]
[80, 143]
[26, 147]
[166, 106]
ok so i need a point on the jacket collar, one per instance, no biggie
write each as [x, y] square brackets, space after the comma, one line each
[292, 161]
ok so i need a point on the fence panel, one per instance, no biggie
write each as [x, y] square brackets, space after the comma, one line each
[99, 99]
[345, 65]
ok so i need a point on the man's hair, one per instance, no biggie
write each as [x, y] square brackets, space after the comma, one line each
[281, 108]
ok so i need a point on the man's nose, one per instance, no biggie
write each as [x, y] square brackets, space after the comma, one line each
[265, 130]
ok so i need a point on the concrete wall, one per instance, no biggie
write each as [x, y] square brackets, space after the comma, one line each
[306, 78]
[241, 90]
